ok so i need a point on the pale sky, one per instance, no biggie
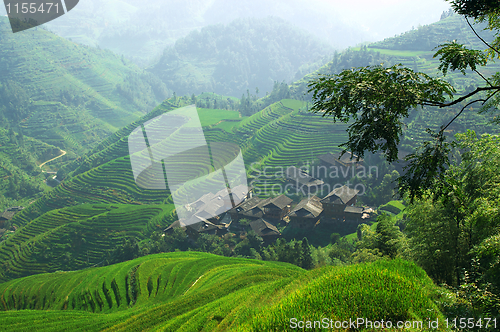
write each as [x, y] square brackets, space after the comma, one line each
[384, 18]
[341, 22]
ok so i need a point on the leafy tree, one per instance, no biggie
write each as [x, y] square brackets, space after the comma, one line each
[342, 251]
[212, 244]
[334, 238]
[455, 224]
[128, 250]
[388, 236]
[385, 191]
[177, 240]
[306, 257]
[377, 100]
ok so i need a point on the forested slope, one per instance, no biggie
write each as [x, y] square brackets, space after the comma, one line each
[243, 55]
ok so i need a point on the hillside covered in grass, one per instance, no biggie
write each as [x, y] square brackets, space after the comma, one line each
[58, 96]
[203, 292]
[280, 135]
[98, 210]
[68, 95]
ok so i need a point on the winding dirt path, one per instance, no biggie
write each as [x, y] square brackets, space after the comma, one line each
[59, 156]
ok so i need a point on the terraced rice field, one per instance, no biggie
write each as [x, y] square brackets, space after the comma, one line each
[77, 237]
[284, 135]
[201, 292]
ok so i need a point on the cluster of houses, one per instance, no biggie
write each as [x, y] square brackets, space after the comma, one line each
[6, 216]
[217, 213]
[9, 213]
[348, 164]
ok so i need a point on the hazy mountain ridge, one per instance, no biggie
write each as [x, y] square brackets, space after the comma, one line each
[243, 55]
[414, 49]
[142, 32]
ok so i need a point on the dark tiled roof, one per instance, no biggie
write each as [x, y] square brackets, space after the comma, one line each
[250, 208]
[248, 204]
[175, 224]
[263, 228]
[226, 220]
[280, 202]
[298, 175]
[7, 215]
[205, 226]
[308, 208]
[340, 195]
[211, 209]
[354, 209]
[10, 212]
[331, 158]
[239, 192]
[253, 213]
[201, 201]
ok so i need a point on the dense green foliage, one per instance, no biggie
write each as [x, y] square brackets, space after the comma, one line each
[462, 213]
[20, 180]
[453, 222]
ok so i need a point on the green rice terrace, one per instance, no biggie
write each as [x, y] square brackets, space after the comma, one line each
[193, 291]
[77, 237]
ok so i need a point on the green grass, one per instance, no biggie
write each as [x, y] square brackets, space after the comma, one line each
[398, 53]
[213, 116]
[394, 207]
[201, 292]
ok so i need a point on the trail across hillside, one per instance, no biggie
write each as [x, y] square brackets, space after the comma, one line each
[59, 156]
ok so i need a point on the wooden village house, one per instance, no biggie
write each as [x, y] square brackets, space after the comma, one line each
[275, 208]
[8, 214]
[301, 180]
[347, 160]
[306, 214]
[267, 231]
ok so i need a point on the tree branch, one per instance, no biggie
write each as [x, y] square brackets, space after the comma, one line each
[463, 108]
[484, 78]
[470, 25]
[441, 105]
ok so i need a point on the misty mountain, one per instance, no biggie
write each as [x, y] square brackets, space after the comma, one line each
[245, 54]
[142, 32]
